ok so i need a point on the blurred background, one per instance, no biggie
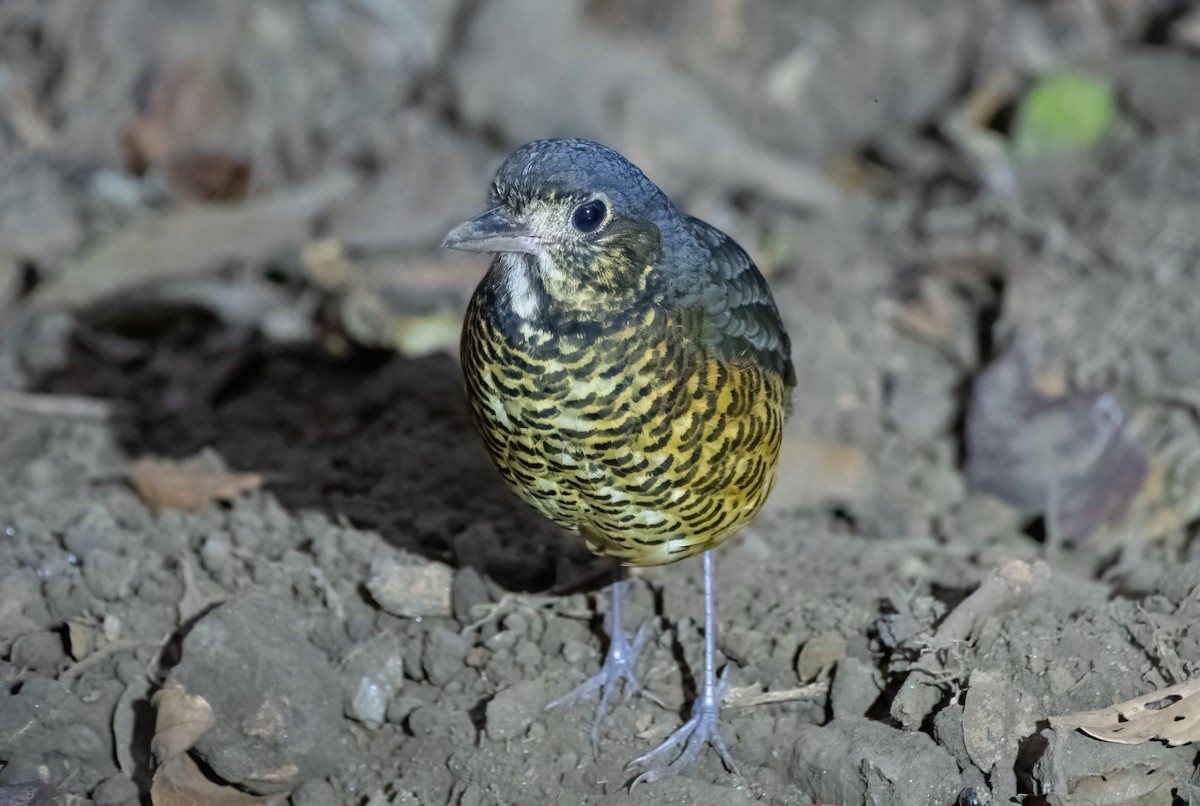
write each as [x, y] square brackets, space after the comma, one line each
[925, 183]
[220, 226]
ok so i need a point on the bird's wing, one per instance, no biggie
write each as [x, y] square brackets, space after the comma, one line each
[731, 312]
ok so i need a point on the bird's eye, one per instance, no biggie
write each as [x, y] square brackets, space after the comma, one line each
[589, 216]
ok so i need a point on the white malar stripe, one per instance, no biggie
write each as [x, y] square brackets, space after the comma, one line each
[521, 295]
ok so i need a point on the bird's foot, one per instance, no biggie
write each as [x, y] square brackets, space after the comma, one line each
[618, 668]
[702, 729]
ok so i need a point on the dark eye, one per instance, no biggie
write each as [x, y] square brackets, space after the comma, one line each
[588, 217]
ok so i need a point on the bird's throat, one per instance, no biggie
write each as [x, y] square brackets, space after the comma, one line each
[522, 285]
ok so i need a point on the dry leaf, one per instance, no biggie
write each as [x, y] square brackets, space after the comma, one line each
[187, 239]
[1171, 714]
[182, 718]
[81, 639]
[180, 782]
[191, 484]
[1132, 786]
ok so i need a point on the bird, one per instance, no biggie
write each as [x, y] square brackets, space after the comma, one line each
[629, 374]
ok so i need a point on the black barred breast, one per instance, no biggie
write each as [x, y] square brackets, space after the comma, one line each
[622, 429]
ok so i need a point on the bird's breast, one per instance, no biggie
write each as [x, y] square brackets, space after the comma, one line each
[620, 430]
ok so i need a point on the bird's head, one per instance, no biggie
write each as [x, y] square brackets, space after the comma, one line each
[574, 223]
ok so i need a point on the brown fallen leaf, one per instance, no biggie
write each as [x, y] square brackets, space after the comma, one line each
[81, 639]
[190, 484]
[1171, 714]
[181, 718]
[187, 239]
[1131, 786]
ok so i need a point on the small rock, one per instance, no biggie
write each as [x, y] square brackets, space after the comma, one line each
[559, 631]
[441, 721]
[469, 590]
[274, 695]
[108, 576]
[399, 709]
[513, 710]
[116, 791]
[856, 686]
[818, 654]
[215, 554]
[744, 646]
[948, 730]
[527, 655]
[373, 674]
[445, 656]
[863, 761]
[411, 591]
[317, 792]
[997, 715]
[41, 651]
[23, 607]
[1155, 81]
[575, 652]
[95, 529]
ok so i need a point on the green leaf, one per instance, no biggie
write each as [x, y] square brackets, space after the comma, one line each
[1064, 112]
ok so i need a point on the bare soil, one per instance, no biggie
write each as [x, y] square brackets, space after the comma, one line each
[219, 229]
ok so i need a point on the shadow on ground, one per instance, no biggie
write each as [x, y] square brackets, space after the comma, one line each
[373, 437]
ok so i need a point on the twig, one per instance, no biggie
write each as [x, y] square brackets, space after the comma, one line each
[73, 407]
[106, 651]
[749, 696]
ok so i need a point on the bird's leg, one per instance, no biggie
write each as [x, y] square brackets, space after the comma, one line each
[703, 727]
[618, 666]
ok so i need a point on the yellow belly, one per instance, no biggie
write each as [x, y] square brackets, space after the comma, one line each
[649, 450]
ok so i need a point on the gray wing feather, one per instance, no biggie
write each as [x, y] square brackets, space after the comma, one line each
[731, 311]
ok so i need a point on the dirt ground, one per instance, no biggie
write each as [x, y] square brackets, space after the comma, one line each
[251, 551]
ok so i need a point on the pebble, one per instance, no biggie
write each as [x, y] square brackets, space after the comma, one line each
[445, 653]
[574, 652]
[863, 761]
[400, 708]
[513, 709]
[372, 676]
[855, 688]
[95, 529]
[411, 591]
[116, 791]
[317, 792]
[108, 576]
[41, 651]
[818, 654]
[468, 591]
[275, 697]
[527, 654]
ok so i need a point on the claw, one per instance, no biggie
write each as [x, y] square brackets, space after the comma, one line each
[618, 669]
[703, 728]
